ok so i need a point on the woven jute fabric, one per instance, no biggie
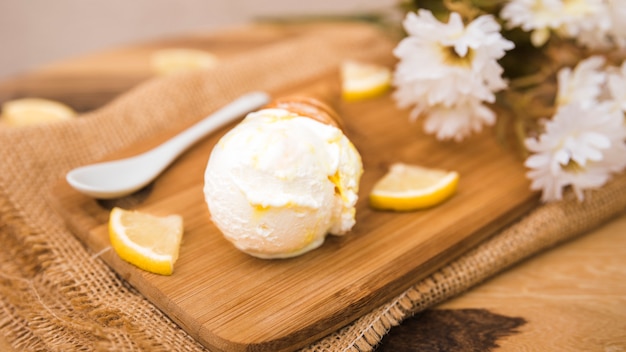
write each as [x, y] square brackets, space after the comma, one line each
[56, 295]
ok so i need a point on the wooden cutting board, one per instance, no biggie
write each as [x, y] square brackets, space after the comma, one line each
[228, 300]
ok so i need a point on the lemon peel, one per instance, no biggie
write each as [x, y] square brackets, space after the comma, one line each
[360, 80]
[32, 111]
[149, 242]
[411, 187]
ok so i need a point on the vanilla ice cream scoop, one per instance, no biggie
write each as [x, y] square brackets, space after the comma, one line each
[282, 179]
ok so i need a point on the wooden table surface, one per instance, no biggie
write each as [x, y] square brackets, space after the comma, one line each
[571, 298]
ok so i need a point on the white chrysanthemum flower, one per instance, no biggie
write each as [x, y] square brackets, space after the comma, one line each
[458, 121]
[583, 84]
[535, 16]
[608, 27]
[569, 18]
[581, 147]
[444, 63]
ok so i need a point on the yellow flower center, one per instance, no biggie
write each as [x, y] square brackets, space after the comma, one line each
[452, 58]
[572, 167]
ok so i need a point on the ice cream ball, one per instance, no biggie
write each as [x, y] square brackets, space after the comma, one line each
[282, 180]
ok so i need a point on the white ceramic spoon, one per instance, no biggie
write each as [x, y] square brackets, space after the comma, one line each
[118, 178]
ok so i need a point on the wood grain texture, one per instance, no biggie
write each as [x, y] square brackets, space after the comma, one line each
[573, 297]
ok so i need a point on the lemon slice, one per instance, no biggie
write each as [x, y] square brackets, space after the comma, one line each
[167, 61]
[146, 241]
[361, 81]
[410, 187]
[31, 111]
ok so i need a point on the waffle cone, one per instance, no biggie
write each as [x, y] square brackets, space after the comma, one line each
[308, 107]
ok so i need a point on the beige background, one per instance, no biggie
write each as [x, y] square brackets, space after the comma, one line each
[34, 32]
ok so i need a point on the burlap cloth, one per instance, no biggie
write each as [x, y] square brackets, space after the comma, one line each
[58, 296]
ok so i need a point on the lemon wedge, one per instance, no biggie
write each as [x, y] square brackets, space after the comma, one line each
[410, 187]
[173, 60]
[361, 80]
[31, 111]
[146, 241]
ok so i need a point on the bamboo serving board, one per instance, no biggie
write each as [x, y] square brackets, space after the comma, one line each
[231, 301]
[228, 300]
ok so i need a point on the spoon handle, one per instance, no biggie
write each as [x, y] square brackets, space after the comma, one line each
[169, 150]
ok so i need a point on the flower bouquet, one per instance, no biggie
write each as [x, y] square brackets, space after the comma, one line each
[549, 73]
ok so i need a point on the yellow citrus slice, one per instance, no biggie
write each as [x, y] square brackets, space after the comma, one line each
[146, 241]
[166, 61]
[31, 111]
[361, 81]
[410, 187]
